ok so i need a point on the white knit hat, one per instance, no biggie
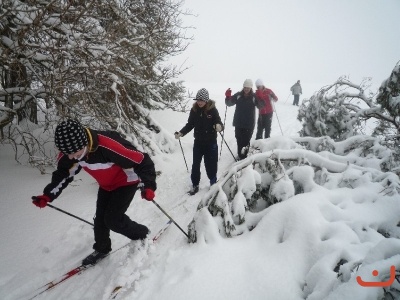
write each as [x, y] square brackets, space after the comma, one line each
[248, 83]
[259, 82]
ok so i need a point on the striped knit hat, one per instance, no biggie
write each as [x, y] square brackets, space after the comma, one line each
[70, 137]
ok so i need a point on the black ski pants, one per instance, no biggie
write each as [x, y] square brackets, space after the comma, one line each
[210, 152]
[264, 123]
[243, 137]
[110, 215]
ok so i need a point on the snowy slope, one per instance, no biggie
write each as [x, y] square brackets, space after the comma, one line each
[296, 241]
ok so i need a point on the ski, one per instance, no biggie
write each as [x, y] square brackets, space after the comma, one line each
[161, 231]
[114, 293]
[62, 278]
[78, 270]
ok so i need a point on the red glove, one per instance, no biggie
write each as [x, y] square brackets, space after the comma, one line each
[148, 194]
[41, 201]
[228, 93]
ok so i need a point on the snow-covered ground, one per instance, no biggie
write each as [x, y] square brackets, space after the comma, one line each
[291, 254]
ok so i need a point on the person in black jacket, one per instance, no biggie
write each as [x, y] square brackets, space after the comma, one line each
[205, 120]
[244, 119]
[116, 165]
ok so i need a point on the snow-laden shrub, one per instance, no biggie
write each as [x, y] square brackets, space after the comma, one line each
[282, 168]
[342, 110]
[336, 111]
[362, 150]
[389, 94]
[330, 206]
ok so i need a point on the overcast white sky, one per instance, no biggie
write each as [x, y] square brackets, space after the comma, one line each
[315, 41]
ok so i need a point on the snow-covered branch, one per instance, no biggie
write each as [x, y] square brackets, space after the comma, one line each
[282, 168]
[102, 59]
[338, 110]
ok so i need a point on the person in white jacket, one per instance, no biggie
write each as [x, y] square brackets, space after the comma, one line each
[296, 91]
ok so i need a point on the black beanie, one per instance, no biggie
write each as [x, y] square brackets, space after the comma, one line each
[70, 137]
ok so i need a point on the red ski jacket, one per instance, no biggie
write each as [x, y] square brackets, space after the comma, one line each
[111, 160]
[267, 95]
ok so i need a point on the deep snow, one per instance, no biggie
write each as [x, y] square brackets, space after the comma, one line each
[291, 253]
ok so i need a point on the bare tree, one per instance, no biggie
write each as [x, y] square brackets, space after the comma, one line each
[103, 62]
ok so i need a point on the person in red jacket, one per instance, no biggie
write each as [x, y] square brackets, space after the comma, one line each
[265, 114]
[117, 166]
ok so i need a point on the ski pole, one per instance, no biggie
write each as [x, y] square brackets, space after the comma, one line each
[141, 186]
[227, 146]
[67, 213]
[183, 155]
[287, 98]
[220, 152]
[169, 217]
[273, 105]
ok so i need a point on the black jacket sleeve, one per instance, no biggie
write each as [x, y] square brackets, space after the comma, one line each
[231, 101]
[190, 123]
[217, 118]
[66, 170]
[147, 172]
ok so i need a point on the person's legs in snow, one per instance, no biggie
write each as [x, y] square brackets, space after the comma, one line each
[211, 161]
[198, 152]
[267, 124]
[260, 127]
[110, 215]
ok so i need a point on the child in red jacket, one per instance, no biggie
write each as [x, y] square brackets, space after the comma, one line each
[116, 165]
